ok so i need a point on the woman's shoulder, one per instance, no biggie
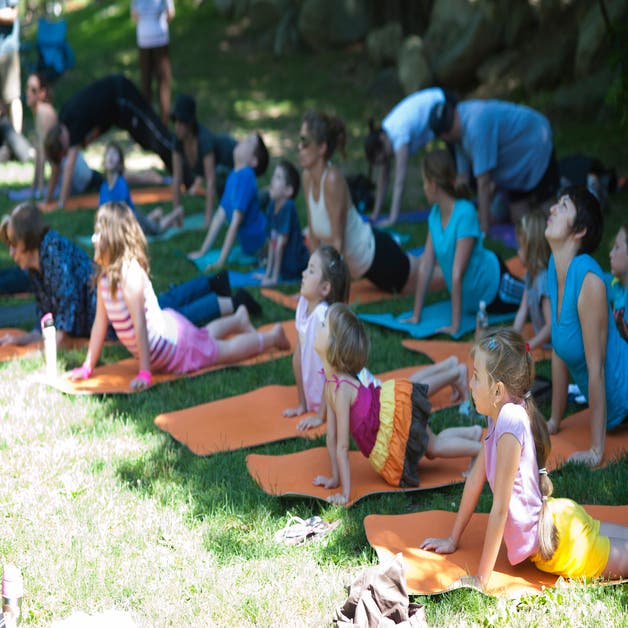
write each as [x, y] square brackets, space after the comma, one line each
[583, 264]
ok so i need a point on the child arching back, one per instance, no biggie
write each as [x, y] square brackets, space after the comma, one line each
[325, 281]
[556, 534]
[534, 253]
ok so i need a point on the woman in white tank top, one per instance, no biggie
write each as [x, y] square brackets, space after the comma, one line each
[332, 217]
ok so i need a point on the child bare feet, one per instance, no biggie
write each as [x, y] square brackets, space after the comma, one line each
[460, 388]
[280, 340]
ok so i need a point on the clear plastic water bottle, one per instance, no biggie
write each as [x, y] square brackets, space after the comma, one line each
[481, 321]
[12, 593]
[50, 344]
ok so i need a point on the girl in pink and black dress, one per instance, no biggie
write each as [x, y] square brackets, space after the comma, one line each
[162, 340]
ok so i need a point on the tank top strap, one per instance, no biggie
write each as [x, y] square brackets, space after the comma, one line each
[339, 380]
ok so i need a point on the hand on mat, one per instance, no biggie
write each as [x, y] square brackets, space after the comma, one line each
[264, 279]
[8, 339]
[590, 457]
[410, 320]
[298, 411]
[439, 546]
[553, 426]
[466, 581]
[448, 329]
[214, 268]
[310, 422]
[195, 254]
[139, 383]
[79, 373]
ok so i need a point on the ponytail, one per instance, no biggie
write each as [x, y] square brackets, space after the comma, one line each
[329, 129]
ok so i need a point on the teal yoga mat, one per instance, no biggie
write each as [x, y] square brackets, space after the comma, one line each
[434, 316]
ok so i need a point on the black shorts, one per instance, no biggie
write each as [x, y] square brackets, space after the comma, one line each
[390, 268]
[509, 292]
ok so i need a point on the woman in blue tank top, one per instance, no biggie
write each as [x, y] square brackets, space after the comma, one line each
[584, 344]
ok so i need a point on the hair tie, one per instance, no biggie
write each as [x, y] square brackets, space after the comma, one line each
[544, 498]
[492, 343]
[542, 471]
[528, 395]
[527, 348]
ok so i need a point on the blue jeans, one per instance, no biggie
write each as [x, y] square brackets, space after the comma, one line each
[193, 299]
[14, 280]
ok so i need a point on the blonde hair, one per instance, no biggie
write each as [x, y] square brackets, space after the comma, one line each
[122, 238]
[509, 361]
[349, 345]
[531, 231]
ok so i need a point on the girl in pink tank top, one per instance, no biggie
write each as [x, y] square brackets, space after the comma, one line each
[161, 340]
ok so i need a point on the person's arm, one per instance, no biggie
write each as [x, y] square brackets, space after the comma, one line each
[383, 179]
[401, 172]
[298, 379]
[485, 193]
[171, 11]
[312, 240]
[230, 238]
[52, 183]
[212, 233]
[177, 179]
[464, 247]
[68, 175]
[507, 463]
[8, 15]
[209, 168]
[522, 313]
[333, 480]
[336, 202]
[133, 287]
[544, 334]
[277, 258]
[560, 383]
[470, 496]
[593, 315]
[96, 341]
[424, 276]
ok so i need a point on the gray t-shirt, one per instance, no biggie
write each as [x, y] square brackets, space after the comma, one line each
[537, 290]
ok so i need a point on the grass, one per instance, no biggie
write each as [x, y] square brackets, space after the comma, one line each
[101, 510]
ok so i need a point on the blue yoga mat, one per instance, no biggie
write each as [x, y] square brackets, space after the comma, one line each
[190, 223]
[244, 279]
[504, 232]
[236, 256]
[417, 215]
[433, 317]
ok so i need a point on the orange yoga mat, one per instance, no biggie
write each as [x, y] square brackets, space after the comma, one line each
[292, 474]
[440, 349]
[428, 573]
[116, 378]
[363, 291]
[8, 352]
[253, 418]
[575, 435]
[140, 196]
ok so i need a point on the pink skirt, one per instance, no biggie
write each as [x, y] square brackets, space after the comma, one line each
[195, 348]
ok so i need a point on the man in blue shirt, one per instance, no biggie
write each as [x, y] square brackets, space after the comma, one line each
[504, 146]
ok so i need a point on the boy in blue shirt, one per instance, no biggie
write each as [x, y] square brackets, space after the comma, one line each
[287, 253]
[618, 286]
[239, 205]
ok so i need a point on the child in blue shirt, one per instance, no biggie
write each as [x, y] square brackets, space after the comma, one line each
[239, 205]
[287, 253]
[618, 287]
[115, 189]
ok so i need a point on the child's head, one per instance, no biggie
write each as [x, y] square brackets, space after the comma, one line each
[619, 254]
[184, 117]
[56, 143]
[534, 250]
[342, 340]
[251, 151]
[37, 89]
[285, 182]
[326, 277]
[438, 170]
[118, 239]
[319, 128]
[114, 158]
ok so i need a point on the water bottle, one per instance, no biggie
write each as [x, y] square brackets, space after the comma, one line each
[481, 321]
[50, 344]
[12, 593]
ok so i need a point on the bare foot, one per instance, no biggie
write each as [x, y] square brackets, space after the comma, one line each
[244, 322]
[280, 340]
[460, 388]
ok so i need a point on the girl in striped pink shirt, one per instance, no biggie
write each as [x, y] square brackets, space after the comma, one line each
[162, 340]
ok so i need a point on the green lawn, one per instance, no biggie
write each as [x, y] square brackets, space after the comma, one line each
[101, 510]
